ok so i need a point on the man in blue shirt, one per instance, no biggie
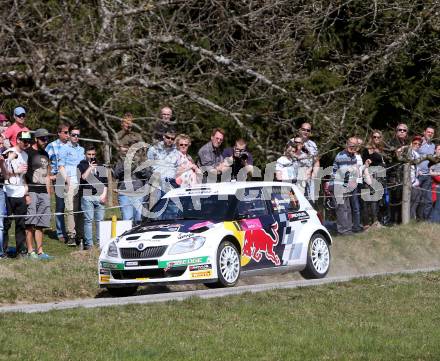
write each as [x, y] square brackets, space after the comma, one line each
[53, 150]
[427, 148]
[70, 156]
[165, 158]
[345, 174]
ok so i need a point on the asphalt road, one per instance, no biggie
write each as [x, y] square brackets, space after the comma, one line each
[182, 295]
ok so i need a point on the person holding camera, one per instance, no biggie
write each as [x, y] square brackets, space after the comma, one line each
[238, 157]
[93, 193]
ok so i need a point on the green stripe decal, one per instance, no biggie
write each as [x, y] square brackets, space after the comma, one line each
[112, 265]
[183, 262]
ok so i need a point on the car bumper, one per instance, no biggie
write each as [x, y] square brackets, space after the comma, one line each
[132, 272]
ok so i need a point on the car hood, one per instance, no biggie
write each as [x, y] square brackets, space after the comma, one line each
[164, 232]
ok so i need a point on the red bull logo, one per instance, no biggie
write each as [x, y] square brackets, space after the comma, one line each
[257, 241]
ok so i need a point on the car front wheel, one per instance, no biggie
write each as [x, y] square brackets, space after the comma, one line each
[228, 265]
[318, 258]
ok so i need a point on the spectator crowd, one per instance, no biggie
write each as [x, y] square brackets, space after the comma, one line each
[364, 186]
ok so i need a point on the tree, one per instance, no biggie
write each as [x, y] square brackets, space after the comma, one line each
[256, 67]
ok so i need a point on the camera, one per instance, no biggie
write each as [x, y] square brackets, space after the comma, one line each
[243, 156]
[92, 160]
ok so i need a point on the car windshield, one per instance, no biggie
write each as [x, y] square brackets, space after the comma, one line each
[194, 207]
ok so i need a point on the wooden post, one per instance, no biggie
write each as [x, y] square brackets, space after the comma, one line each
[406, 193]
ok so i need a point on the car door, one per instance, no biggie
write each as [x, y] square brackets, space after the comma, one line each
[291, 217]
[261, 244]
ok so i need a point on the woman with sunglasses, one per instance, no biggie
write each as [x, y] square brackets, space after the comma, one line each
[372, 156]
[187, 172]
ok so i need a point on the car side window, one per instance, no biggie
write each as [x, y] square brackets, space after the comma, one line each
[252, 205]
[284, 200]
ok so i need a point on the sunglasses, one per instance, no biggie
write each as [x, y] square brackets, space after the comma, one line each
[183, 145]
[21, 116]
[43, 139]
[76, 135]
[168, 137]
[416, 143]
[402, 130]
[306, 130]
[64, 132]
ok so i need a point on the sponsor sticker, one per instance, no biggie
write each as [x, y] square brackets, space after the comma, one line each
[166, 227]
[131, 263]
[200, 267]
[201, 274]
[142, 279]
[183, 262]
[104, 279]
[104, 271]
[298, 216]
[112, 265]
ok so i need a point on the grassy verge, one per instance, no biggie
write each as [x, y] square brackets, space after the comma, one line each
[72, 274]
[385, 318]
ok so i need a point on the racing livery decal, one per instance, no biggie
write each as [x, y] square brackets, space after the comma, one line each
[298, 216]
[258, 241]
[201, 274]
[182, 262]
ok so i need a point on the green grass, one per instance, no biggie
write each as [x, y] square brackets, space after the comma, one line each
[385, 318]
[73, 274]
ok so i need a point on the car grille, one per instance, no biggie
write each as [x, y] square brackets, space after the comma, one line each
[148, 273]
[149, 252]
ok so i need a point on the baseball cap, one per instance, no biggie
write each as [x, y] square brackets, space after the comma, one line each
[3, 118]
[24, 136]
[41, 132]
[19, 110]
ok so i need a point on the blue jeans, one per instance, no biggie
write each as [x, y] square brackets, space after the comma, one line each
[93, 210]
[425, 206]
[131, 207]
[356, 209]
[59, 219]
[3, 213]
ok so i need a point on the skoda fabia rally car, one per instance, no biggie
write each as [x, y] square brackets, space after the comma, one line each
[214, 233]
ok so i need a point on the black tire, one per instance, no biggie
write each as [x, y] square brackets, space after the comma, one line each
[122, 291]
[318, 258]
[228, 266]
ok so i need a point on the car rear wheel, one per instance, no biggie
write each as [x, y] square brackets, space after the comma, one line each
[318, 258]
[228, 266]
[122, 291]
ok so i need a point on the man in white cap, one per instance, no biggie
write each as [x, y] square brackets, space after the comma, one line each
[18, 126]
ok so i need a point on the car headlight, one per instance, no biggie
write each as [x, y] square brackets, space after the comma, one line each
[112, 250]
[187, 245]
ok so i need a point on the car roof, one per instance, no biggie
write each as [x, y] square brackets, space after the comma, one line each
[223, 188]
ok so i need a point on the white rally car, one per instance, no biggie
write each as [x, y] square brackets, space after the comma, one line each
[216, 232]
